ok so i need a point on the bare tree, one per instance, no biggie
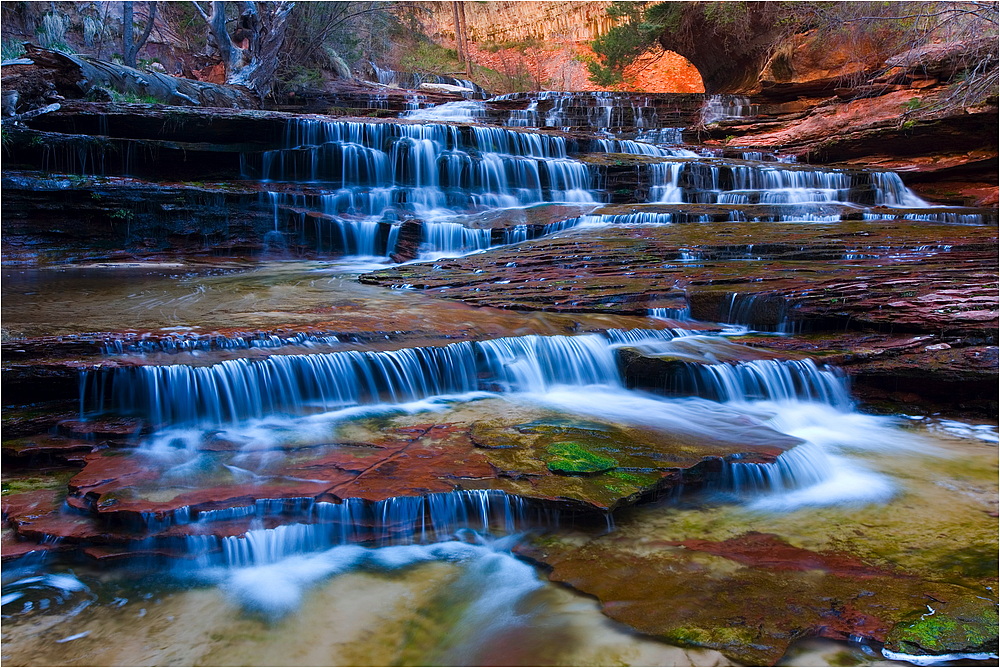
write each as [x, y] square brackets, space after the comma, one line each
[130, 48]
[250, 53]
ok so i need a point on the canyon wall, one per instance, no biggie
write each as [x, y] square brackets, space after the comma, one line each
[550, 41]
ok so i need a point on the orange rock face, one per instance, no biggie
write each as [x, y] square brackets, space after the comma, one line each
[552, 45]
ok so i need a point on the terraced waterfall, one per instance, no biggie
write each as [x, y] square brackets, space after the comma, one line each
[304, 390]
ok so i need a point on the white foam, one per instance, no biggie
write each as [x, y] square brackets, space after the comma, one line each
[493, 578]
[935, 659]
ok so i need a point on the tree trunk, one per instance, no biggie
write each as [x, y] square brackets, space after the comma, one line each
[458, 32]
[250, 54]
[130, 47]
[465, 39]
[78, 75]
[128, 42]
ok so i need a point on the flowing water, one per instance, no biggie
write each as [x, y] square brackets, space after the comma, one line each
[429, 578]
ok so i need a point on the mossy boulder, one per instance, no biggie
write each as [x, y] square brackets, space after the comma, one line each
[965, 627]
[571, 458]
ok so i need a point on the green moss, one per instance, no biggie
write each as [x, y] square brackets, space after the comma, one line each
[573, 459]
[55, 481]
[23, 485]
[968, 626]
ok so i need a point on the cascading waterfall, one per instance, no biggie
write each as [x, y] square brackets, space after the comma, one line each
[799, 467]
[189, 343]
[321, 525]
[242, 388]
[700, 182]
[454, 239]
[663, 182]
[380, 170]
[398, 520]
[670, 313]
[464, 111]
[770, 380]
[668, 136]
[723, 107]
[238, 389]
[607, 110]
[947, 217]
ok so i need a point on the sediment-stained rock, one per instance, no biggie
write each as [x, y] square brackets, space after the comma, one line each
[121, 496]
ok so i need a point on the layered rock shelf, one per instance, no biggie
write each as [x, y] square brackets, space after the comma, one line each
[738, 398]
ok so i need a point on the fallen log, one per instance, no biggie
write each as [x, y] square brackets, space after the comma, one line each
[77, 75]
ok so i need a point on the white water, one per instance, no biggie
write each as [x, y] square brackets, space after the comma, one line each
[276, 588]
[463, 111]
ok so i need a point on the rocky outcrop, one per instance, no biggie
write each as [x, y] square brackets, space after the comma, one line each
[764, 593]
[766, 276]
[120, 497]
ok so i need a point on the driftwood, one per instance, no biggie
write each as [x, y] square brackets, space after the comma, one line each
[85, 73]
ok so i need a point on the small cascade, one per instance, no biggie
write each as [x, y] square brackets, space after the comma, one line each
[663, 179]
[724, 107]
[535, 363]
[196, 342]
[947, 217]
[463, 111]
[519, 233]
[700, 182]
[322, 525]
[398, 520]
[629, 147]
[603, 110]
[670, 313]
[769, 380]
[238, 389]
[644, 218]
[628, 337]
[453, 239]
[379, 167]
[344, 222]
[412, 80]
[294, 384]
[802, 466]
[890, 190]
[662, 136]
[763, 312]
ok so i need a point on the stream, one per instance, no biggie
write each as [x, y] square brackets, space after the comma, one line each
[292, 466]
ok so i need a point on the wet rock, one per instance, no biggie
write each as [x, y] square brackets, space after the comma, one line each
[572, 459]
[584, 468]
[45, 449]
[751, 612]
[965, 625]
[866, 277]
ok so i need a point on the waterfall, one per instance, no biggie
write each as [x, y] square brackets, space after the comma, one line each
[890, 190]
[668, 136]
[368, 175]
[670, 313]
[243, 388]
[947, 217]
[534, 363]
[454, 239]
[431, 517]
[723, 107]
[199, 342]
[802, 466]
[238, 389]
[463, 111]
[663, 182]
[773, 380]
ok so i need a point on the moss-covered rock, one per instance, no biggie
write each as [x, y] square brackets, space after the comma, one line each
[571, 458]
[967, 626]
